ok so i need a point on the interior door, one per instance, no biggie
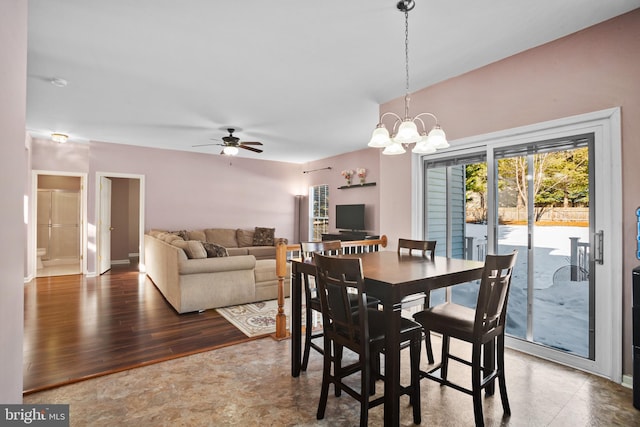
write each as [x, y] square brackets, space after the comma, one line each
[104, 238]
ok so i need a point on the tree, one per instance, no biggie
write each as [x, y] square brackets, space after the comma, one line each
[560, 178]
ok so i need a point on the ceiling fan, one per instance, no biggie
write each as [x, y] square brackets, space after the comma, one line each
[231, 144]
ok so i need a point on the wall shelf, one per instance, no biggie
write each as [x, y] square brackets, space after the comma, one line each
[366, 184]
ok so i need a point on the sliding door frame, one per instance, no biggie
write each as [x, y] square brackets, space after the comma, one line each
[606, 127]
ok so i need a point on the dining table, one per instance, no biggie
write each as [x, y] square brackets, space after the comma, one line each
[390, 277]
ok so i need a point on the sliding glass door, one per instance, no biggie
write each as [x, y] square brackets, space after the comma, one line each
[536, 191]
[544, 212]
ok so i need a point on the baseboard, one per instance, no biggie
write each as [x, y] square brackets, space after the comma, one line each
[134, 255]
[627, 381]
[28, 279]
[120, 261]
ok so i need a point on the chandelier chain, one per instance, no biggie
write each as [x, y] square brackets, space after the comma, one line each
[406, 47]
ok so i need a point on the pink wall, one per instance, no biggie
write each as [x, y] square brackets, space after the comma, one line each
[367, 158]
[185, 190]
[591, 70]
[13, 184]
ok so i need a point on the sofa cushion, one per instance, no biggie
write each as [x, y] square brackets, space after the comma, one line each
[237, 251]
[197, 235]
[244, 238]
[223, 236]
[263, 236]
[192, 248]
[214, 250]
[262, 252]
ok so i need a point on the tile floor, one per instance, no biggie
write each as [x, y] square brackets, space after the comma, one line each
[250, 384]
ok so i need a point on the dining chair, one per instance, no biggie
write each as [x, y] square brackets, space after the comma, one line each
[312, 300]
[361, 331]
[427, 247]
[481, 326]
[330, 247]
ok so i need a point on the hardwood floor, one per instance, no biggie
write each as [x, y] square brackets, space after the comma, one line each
[77, 328]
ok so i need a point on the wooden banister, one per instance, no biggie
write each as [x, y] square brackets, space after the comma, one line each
[285, 252]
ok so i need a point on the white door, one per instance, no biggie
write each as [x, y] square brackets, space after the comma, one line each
[104, 236]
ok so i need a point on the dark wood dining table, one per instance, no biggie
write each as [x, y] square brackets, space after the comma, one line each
[390, 277]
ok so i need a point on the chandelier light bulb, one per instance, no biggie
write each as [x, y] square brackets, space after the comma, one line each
[424, 146]
[393, 149]
[407, 132]
[437, 138]
[380, 137]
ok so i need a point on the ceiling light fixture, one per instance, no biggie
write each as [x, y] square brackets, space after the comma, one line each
[59, 137]
[405, 131]
[58, 82]
[230, 150]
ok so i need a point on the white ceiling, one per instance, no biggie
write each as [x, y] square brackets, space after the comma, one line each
[303, 77]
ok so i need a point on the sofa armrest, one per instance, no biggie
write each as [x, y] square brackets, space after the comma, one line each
[212, 265]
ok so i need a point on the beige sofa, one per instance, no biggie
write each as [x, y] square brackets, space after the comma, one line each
[191, 281]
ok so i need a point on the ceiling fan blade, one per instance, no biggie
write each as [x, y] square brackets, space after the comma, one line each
[204, 145]
[250, 148]
[250, 143]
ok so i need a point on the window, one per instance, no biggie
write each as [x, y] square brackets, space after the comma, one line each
[319, 211]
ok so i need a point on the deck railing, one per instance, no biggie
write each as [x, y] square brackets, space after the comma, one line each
[285, 252]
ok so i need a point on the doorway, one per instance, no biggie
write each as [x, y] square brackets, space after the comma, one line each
[59, 218]
[120, 220]
[535, 189]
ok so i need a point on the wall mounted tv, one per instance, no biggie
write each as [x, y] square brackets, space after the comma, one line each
[350, 217]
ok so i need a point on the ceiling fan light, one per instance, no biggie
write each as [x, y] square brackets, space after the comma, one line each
[437, 138]
[230, 151]
[380, 137]
[407, 132]
[393, 149]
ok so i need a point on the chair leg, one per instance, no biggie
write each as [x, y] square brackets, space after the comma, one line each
[375, 370]
[414, 354]
[427, 333]
[427, 343]
[365, 382]
[307, 341]
[337, 368]
[501, 379]
[444, 365]
[476, 379]
[326, 373]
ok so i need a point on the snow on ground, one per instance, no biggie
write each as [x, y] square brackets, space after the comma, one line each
[561, 310]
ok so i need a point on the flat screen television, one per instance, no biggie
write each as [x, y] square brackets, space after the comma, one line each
[350, 217]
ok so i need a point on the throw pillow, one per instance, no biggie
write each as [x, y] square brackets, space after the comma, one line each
[192, 248]
[214, 250]
[182, 233]
[264, 236]
[245, 238]
[196, 249]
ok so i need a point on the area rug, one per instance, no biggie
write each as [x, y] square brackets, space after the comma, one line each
[258, 318]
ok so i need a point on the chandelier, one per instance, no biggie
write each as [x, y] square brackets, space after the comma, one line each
[405, 130]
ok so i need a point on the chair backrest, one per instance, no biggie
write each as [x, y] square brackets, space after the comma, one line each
[337, 279]
[329, 247]
[419, 245]
[491, 308]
